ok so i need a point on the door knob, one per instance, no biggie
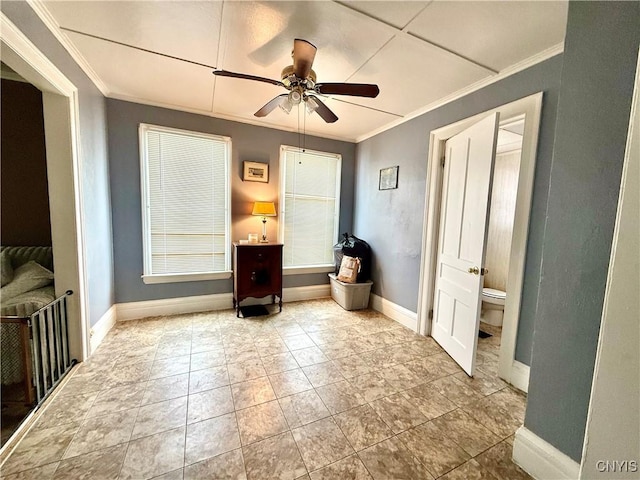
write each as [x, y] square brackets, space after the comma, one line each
[474, 270]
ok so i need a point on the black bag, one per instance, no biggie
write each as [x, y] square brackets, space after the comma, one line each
[354, 247]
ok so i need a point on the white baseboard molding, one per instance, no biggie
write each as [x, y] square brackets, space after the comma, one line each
[309, 292]
[400, 314]
[520, 376]
[204, 303]
[173, 306]
[542, 460]
[102, 327]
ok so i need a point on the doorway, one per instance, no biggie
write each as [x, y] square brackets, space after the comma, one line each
[60, 112]
[528, 108]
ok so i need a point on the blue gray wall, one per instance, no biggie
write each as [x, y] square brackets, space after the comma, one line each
[392, 220]
[94, 168]
[601, 49]
[249, 143]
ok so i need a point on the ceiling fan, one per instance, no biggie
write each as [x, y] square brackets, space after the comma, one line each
[300, 80]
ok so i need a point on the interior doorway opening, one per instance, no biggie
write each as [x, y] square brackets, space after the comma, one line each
[529, 109]
[60, 115]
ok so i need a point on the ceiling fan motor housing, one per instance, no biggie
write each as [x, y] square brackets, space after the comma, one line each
[290, 80]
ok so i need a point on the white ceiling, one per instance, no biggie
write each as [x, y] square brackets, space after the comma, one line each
[418, 52]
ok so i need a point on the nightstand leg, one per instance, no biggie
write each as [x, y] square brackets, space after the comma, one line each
[280, 304]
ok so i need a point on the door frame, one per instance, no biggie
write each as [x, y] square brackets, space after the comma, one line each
[509, 368]
[61, 120]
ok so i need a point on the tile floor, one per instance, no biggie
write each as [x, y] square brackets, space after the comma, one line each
[314, 392]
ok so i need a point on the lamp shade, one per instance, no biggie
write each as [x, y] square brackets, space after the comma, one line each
[264, 209]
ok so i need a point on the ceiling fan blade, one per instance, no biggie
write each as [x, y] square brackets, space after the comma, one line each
[225, 73]
[303, 56]
[325, 113]
[353, 89]
[271, 105]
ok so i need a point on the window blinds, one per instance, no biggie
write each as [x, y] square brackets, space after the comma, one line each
[186, 202]
[311, 194]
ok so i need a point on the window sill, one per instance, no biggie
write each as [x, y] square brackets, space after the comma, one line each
[185, 277]
[306, 270]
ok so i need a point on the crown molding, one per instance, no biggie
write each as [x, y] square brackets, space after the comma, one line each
[507, 72]
[43, 13]
[223, 116]
[46, 17]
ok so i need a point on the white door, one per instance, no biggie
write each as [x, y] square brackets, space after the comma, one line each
[466, 190]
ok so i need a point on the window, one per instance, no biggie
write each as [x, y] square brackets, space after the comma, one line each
[309, 208]
[185, 205]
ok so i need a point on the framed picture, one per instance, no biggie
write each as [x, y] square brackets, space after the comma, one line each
[388, 178]
[256, 172]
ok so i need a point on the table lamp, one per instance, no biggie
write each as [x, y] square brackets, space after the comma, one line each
[264, 209]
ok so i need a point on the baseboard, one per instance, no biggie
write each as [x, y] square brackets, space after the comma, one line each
[400, 314]
[309, 292]
[520, 376]
[204, 303]
[173, 306]
[542, 460]
[102, 327]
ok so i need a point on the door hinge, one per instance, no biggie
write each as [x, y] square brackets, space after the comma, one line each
[430, 315]
[442, 160]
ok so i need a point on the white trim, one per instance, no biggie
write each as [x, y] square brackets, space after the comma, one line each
[305, 270]
[43, 13]
[540, 459]
[518, 67]
[520, 376]
[204, 303]
[49, 78]
[309, 292]
[185, 277]
[229, 117]
[529, 107]
[61, 116]
[172, 306]
[41, 10]
[395, 312]
[102, 327]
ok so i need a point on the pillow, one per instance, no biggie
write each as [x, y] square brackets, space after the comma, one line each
[6, 269]
[349, 268]
[27, 277]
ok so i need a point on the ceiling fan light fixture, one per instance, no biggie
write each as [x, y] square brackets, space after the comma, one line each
[311, 105]
[286, 105]
[295, 97]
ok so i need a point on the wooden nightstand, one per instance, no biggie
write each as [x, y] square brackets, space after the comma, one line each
[257, 272]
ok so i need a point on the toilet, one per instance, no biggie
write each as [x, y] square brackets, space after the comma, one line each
[492, 306]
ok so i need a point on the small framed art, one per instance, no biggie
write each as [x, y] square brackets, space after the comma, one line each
[388, 178]
[256, 172]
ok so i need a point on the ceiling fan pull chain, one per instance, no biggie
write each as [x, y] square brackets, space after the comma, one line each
[299, 140]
